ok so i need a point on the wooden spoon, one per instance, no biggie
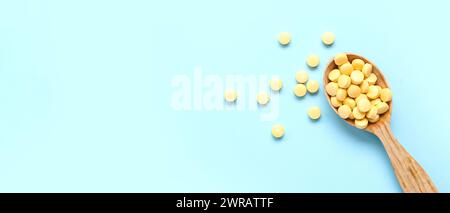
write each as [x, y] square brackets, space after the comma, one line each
[411, 176]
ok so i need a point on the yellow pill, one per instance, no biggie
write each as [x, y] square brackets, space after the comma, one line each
[382, 108]
[334, 75]
[335, 102]
[284, 38]
[372, 79]
[373, 92]
[386, 95]
[375, 119]
[346, 68]
[362, 96]
[263, 98]
[357, 77]
[363, 105]
[361, 124]
[344, 111]
[344, 81]
[230, 95]
[341, 94]
[354, 91]
[332, 88]
[358, 114]
[314, 113]
[375, 101]
[300, 90]
[364, 86]
[367, 70]
[358, 64]
[340, 59]
[278, 131]
[351, 116]
[313, 61]
[373, 113]
[276, 84]
[312, 86]
[328, 38]
[350, 102]
[301, 77]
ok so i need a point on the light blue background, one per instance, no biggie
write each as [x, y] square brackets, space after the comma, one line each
[85, 95]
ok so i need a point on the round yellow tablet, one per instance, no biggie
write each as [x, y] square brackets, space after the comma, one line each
[358, 114]
[364, 105]
[230, 95]
[314, 113]
[344, 81]
[340, 59]
[301, 76]
[364, 86]
[350, 102]
[332, 88]
[386, 95]
[335, 102]
[278, 131]
[373, 92]
[373, 113]
[357, 77]
[358, 64]
[382, 108]
[276, 84]
[375, 119]
[334, 75]
[375, 101]
[372, 79]
[263, 98]
[354, 91]
[284, 38]
[367, 70]
[346, 68]
[341, 94]
[313, 60]
[312, 86]
[328, 38]
[300, 90]
[361, 124]
[344, 111]
[362, 96]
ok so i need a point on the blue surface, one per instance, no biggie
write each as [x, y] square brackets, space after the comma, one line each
[85, 90]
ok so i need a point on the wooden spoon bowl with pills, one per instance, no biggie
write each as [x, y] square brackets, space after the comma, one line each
[411, 176]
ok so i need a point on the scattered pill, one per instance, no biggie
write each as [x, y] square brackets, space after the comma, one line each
[230, 95]
[313, 61]
[314, 113]
[332, 88]
[357, 77]
[278, 131]
[335, 102]
[328, 38]
[344, 111]
[367, 70]
[300, 90]
[354, 91]
[386, 95]
[263, 98]
[276, 84]
[361, 124]
[364, 105]
[312, 86]
[373, 92]
[344, 81]
[301, 76]
[341, 94]
[284, 38]
[334, 75]
[358, 64]
[340, 59]
[346, 68]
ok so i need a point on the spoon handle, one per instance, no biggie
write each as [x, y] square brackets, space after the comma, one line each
[411, 176]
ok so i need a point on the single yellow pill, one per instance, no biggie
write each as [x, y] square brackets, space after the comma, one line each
[372, 79]
[344, 81]
[346, 68]
[300, 90]
[358, 114]
[350, 102]
[334, 75]
[332, 88]
[328, 38]
[358, 64]
[354, 91]
[386, 95]
[340, 59]
[375, 119]
[357, 77]
[313, 61]
[364, 87]
[344, 111]
[375, 101]
[314, 113]
[341, 94]
[301, 76]
[284, 38]
[367, 70]
[312, 86]
[278, 131]
[364, 105]
[263, 98]
[382, 108]
[362, 96]
[230, 95]
[373, 113]
[335, 102]
[276, 84]
[373, 92]
[361, 124]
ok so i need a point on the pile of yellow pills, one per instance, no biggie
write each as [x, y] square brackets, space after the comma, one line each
[276, 84]
[278, 131]
[328, 38]
[354, 92]
[300, 90]
[314, 113]
[313, 60]
[284, 38]
[263, 98]
[230, 95]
